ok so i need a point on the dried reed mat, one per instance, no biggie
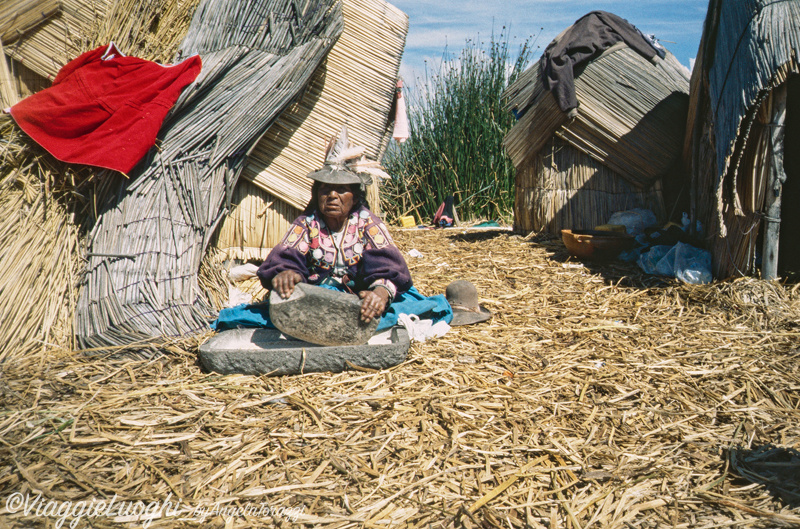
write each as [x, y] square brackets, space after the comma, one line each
[45, 46]
[17, 17]
[147, 245]
[595, 397]
[356, 87]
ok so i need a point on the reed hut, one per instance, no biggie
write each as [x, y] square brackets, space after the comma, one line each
[744, 109]
[618, 149]
[355, 87]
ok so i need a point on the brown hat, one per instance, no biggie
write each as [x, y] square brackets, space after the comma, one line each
[463, 298]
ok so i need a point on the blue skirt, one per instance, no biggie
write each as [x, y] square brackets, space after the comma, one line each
[435, 308]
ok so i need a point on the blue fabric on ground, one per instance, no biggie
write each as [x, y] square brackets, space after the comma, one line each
[243, 315]
[435, 308]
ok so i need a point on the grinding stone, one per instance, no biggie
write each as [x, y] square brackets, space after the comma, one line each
[320, 316]
[268, 351]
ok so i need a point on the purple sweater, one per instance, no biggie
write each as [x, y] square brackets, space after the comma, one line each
[370, 255]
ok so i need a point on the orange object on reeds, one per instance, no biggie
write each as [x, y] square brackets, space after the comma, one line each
[596, 245]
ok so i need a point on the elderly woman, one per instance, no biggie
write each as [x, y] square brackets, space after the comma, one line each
[339, 243]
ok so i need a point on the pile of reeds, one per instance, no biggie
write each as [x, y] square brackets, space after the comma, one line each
[596, 396]
[562, 187]
[151, 29]
[456, 124]
[39, 248]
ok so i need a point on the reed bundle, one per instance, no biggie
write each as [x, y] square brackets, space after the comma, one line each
[596, 396]
[562, 187]
[50, 45]
[151, 29]
[356, 87]
[8, 92]
[17, 17]
[631, 116]
[146, 247]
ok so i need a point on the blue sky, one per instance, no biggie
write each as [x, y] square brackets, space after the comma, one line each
[678, 24]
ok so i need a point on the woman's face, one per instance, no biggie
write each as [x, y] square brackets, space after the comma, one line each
[335, 202]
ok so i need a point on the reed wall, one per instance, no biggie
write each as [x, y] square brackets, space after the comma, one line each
[563, 187]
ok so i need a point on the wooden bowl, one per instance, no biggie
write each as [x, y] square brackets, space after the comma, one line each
[596, 245]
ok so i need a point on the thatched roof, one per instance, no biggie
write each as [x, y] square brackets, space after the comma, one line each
[748, 48]
[631, 114]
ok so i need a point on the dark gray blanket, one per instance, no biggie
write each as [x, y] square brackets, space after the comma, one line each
[583, 41]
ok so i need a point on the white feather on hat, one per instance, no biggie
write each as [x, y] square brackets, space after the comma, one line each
[341, 157]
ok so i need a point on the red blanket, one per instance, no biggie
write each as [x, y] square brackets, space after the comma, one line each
[104, 109]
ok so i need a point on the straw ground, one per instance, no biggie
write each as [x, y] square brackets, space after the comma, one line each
[595, 397]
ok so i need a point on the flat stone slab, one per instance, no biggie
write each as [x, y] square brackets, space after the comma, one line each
[270, 352]
[321, 316]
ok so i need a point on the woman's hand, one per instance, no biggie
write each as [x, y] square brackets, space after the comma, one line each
[373, 303]
[284, 283]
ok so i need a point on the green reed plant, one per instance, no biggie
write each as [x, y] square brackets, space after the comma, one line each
[457, 124]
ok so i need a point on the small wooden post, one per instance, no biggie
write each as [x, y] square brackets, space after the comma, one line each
[777, 176]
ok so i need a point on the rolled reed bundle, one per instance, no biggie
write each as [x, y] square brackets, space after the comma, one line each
[146, 248]
[355, 87]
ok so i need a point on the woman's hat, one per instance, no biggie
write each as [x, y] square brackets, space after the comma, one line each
[334, 173]
[463, 298]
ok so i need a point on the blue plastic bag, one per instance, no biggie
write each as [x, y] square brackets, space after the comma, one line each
[683, 261]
